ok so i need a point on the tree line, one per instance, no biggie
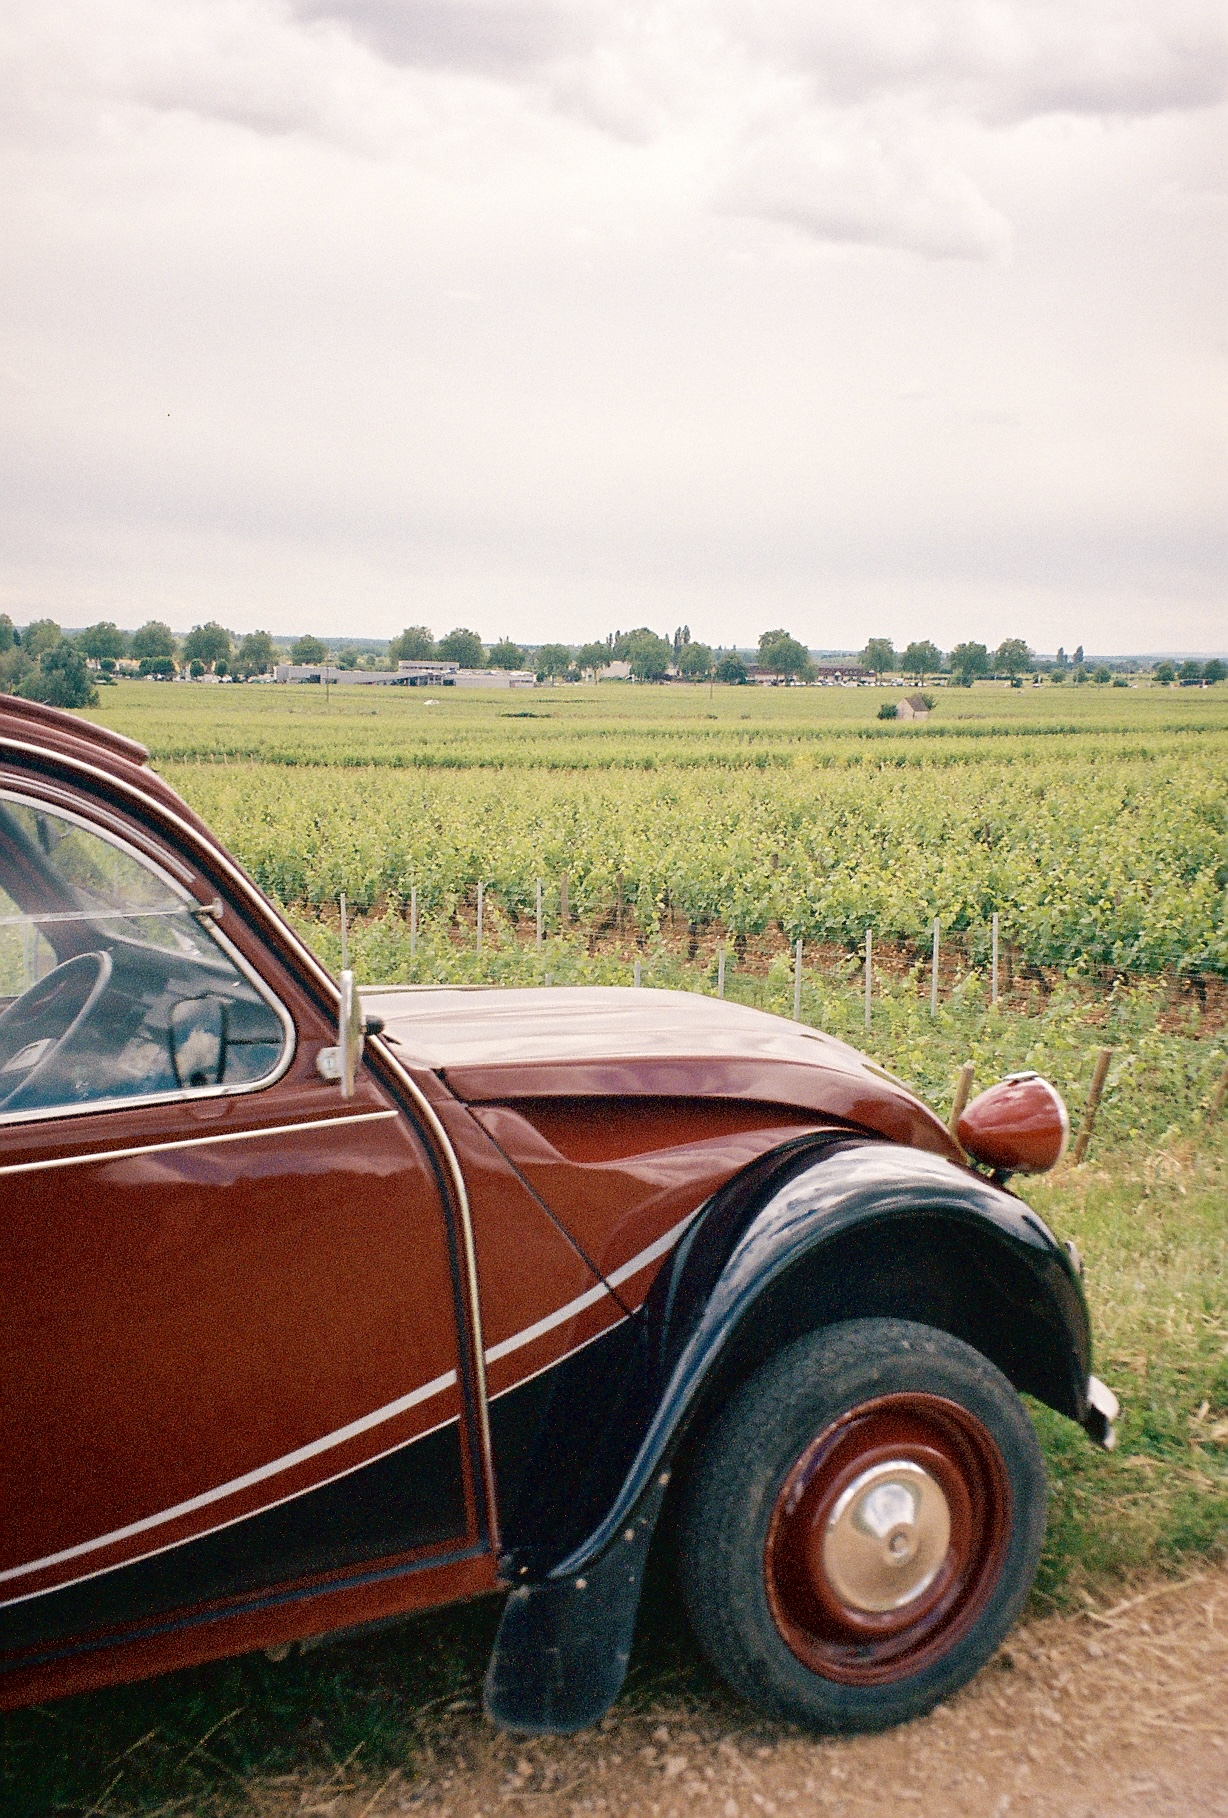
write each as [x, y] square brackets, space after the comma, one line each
[43, 663]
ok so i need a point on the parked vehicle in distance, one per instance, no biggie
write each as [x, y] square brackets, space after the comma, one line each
[316, 1313]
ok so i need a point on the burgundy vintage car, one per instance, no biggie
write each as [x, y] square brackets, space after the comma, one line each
[316, 1313]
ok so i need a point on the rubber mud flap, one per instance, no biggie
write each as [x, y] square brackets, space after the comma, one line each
[564, 1643]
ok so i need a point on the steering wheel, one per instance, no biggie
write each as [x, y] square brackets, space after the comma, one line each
[37, 1026]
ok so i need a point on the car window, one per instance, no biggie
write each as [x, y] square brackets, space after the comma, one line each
[113, 983]
[25, 953]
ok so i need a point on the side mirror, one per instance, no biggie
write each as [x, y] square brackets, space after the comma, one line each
[198, 1041]
[350, 1032]
[341, 1063]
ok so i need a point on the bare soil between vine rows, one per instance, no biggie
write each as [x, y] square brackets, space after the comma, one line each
[1120, 1710]
[1195, 1003]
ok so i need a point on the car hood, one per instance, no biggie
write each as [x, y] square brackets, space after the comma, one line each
[496, 1046]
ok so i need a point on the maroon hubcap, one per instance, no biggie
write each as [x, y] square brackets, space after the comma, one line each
[887, 1538]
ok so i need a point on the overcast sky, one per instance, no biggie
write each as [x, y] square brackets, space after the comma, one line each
[551, 316]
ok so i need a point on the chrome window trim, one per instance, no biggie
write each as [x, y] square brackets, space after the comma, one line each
[194, 907]
[242, 884]
[473, 1301]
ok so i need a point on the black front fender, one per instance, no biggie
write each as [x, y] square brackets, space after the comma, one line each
[866, 1229]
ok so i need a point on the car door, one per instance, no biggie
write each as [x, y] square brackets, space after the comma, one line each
[232, 1347]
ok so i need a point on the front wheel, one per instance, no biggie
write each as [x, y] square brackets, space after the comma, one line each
[862, 1525]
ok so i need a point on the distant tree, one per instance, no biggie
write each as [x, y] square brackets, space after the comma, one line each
[256, 654]
[163, 668]
[878, 656]
[8, 633]
[102, 640]
[42, 634]
[553, 660]
[888, 711]
[682, 637]
[649, 655]
[347, 657]
[207, 644]
[1061, 660]
[462, 646]
[695, 663]
[196, 669]
[153, 639]
[1011, 657]
[781, 654]
[416, 644]
[303, 650]
[592, 658]
[61, 679]
[1190, 672]
[731, 669]
[1164, 674]
[1103, 674]
[968, 661]
[1214, 671]
[921, 660]
[1078, 656]
[506, 655]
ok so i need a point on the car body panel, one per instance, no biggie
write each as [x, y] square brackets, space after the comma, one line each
[503, 1047]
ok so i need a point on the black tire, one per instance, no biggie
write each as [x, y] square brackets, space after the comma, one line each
[784, 1552]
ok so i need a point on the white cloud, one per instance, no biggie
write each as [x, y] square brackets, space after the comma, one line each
[841, 180]
[1001, 60]
[550, 300]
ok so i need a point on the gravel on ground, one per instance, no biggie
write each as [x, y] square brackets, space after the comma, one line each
[1120, 1710]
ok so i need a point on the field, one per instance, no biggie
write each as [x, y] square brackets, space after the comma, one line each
[1095, 821]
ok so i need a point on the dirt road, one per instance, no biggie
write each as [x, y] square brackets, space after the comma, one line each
[1123, 1710]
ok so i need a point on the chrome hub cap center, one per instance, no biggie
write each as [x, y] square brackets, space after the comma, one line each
[885, 1540]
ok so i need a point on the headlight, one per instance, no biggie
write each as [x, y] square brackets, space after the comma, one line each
[1019, 1126]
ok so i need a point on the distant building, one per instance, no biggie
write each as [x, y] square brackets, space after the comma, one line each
[494, 678]
[339, 678]
[405, 675]
[615, 672]
[913, 707]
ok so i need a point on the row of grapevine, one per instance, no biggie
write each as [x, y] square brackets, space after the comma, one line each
[1118, 863]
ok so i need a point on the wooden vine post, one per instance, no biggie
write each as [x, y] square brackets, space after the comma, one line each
[1099, 1076]
[1218, 1097]
[963, 1087]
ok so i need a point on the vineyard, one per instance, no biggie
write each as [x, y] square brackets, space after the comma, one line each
[1094, 822]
